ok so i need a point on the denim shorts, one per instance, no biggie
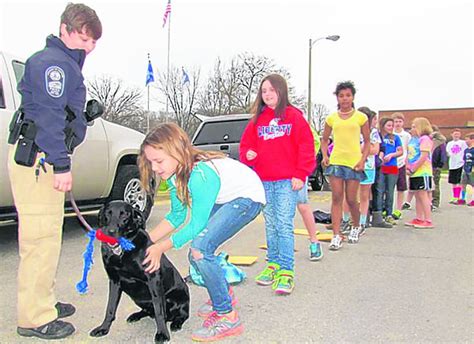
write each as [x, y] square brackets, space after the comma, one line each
[302, 197]
[344, 172]
[369, 177]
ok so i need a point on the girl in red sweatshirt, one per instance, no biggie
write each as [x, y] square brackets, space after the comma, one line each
[278, 144]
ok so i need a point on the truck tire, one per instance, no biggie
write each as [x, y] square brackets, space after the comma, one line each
[318, 182]
[127, 187]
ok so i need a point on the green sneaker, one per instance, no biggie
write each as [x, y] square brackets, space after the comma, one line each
[397, 214]
[389, 219]
[284, 283]
[267, 276]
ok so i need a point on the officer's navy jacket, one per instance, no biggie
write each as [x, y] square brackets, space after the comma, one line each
[52, 81]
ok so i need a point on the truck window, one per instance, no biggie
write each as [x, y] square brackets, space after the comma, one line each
[2, 96]
[18, 69]
[221, 132]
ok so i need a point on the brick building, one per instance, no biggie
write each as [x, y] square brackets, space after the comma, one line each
[445, 119]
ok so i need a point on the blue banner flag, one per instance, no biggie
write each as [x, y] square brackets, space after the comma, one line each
[185, 77]
[149, 74]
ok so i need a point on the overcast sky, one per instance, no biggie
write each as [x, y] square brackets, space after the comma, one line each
[403, 54]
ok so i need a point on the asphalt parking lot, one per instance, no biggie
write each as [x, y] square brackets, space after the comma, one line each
[399, 285]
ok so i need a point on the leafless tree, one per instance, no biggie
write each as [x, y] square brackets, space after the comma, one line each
[320, 112]
[232, 88]
[121, 103]
[298, 101]
[223, 93]
[211, 100]
[251, 70]
[181, 96]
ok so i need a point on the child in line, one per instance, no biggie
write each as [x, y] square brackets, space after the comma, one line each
[392, 147]
[222, 194]
[369, 168]
[420, 171]
[278, 144]
[438, 160]
[378, 188]
[345, 167]
[402, 187]
[455, 150]
[467, 177]
[304, 208]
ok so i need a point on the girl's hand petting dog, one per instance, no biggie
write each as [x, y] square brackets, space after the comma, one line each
[153, 258]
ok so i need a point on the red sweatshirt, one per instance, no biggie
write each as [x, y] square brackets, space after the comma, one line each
[284, 147]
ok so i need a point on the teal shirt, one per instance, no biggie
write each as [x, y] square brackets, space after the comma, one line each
[204, 185]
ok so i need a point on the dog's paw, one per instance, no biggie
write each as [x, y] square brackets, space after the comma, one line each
[176, 326]
[136, 316]
[99, 332]
[161, 337]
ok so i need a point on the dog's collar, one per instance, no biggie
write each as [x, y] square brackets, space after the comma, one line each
[116, 249]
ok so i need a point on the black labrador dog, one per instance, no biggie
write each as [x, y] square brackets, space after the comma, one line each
[162, 295]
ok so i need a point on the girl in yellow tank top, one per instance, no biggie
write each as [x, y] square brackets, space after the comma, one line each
[345, 168]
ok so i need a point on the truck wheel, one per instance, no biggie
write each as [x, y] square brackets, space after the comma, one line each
[127, 187]
[318, 181]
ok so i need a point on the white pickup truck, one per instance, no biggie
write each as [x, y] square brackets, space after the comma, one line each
[103, 166]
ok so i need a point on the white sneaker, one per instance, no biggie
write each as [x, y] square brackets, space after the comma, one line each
[336, 243]
[354, 235]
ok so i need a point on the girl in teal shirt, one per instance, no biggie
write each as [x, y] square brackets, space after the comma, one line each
[222, 194]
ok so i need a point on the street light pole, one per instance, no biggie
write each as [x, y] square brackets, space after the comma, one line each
[311, 43]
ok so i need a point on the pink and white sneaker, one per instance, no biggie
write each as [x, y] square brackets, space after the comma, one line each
[424, 225]
[413, 223]
[218, 327]
[206, 309]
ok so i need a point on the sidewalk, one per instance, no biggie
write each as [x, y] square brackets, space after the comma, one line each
[399, 285]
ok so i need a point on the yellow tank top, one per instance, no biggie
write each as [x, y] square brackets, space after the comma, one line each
[346, 136]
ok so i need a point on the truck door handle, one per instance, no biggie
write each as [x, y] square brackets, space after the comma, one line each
[224, 147]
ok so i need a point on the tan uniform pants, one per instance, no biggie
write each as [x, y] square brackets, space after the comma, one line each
[40, 211]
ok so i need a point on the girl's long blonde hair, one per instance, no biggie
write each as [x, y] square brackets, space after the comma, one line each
[423, 126]
[175, 142]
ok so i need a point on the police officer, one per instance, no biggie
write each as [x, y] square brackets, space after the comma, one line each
[52, 83]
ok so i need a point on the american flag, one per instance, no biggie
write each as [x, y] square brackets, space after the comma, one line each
[167, 12]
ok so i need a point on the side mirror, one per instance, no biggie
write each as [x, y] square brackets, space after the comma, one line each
[94, 110]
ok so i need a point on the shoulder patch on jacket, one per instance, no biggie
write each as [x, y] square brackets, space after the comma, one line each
[54, 79]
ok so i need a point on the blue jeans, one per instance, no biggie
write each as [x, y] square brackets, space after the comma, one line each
[385, 185]
[225, 221]
[377, 191]
[279, 213]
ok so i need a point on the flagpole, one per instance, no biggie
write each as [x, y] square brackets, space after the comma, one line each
[148, 110]
[148, 104]
[168, 63]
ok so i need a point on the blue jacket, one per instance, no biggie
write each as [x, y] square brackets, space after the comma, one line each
[53, 80]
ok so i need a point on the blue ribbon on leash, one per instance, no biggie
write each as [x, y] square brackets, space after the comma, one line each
[82, 286]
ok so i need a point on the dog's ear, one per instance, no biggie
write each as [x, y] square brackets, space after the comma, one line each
[101, 216]
[138, 218]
